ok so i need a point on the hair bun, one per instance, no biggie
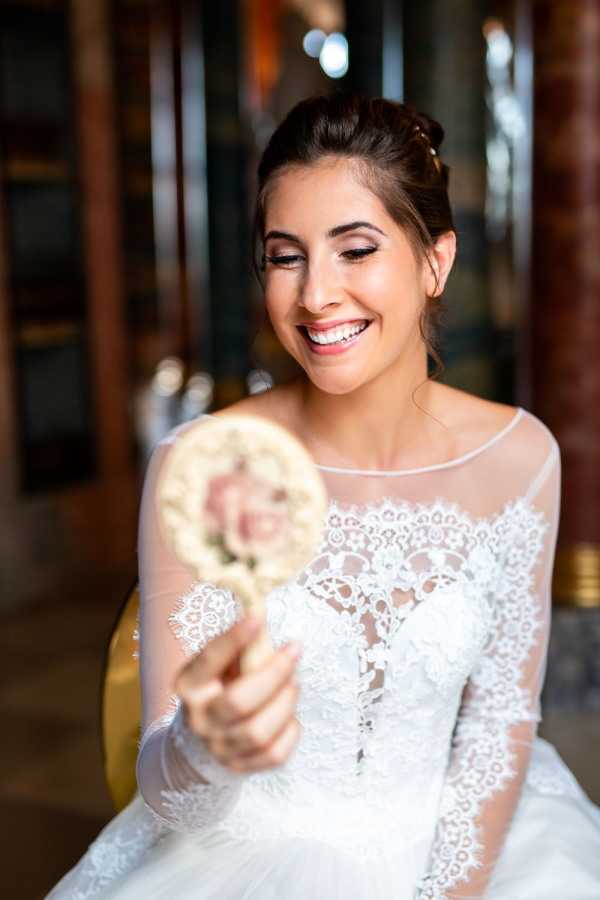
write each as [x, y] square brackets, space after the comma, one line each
[432, 130]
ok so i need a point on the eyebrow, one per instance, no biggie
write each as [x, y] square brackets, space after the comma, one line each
[332, 233]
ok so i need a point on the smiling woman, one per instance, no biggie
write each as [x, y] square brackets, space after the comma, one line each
[349, 260]
[396, 756]
[385, 167]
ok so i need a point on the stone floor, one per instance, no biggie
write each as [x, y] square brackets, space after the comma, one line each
[52, 791]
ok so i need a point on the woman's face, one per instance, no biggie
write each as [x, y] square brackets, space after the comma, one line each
[343, 288]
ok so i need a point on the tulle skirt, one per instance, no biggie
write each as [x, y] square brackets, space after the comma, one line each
[552, 852]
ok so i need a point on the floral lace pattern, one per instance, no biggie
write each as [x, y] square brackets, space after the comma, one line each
[495, 702]
[198, 807]
[203, 613]
[424, 628]
[117, 850]
[401, 605]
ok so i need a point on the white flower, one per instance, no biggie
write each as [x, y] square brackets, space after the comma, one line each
[387, 562]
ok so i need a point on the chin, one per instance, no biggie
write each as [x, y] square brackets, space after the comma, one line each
[337, 385]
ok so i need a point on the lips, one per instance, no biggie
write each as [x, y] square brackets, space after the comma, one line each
[340, 346]
[326, 326]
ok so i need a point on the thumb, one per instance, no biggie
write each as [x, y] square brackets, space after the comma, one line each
[218, 655]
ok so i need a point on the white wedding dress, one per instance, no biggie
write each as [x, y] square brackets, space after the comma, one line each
[424, 619]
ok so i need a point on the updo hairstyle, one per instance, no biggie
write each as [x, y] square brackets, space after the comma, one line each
[396, 152]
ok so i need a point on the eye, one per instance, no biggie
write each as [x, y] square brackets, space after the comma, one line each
[285, 260]
[358, 253]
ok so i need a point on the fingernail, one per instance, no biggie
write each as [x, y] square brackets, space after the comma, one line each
[294, 649]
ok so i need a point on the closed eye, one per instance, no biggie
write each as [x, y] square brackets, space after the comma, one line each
[287, 260]
[290, 259]
[358, 253]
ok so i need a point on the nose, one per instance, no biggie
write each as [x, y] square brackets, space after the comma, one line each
[320, 288]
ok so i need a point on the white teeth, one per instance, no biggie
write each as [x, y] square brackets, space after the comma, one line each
[334, 335]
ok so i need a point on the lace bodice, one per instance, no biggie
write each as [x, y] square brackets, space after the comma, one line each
[424, 618]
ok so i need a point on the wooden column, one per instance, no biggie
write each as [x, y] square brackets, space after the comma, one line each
[71, 539]
[95, 110]
[228, 208]
[444, 76]
[565, 304]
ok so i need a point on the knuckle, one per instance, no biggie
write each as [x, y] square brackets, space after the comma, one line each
[210, 713]
[293, 691]
[287, 664]
[255, 735]
[193, 697]
[276, 756]
[232, 706]
[237, 706]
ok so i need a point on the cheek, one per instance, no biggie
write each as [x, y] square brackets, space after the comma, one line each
[394, 297]
[279, 305]
[277, 300]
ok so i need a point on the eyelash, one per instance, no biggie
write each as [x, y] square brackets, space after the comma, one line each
[351, 255]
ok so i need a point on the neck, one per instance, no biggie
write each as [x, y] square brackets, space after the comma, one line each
[380, 425]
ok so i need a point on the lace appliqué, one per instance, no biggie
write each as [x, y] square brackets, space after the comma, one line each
[118, 850]
[376, 567]
[424, 597]
[199, 807]
[482, 760]
[193, 806]
[203, 613]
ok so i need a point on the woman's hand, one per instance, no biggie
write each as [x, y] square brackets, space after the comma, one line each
[245, 721]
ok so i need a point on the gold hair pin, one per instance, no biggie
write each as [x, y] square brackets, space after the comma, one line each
[436, 160]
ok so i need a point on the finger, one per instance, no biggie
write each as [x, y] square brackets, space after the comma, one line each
[248, 693]
[196, 700]
[218, 654]
[274, 755]
[256, 733]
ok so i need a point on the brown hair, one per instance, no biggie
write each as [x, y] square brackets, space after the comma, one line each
[396, 149]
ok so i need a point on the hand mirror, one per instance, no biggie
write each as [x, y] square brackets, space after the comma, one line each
[243, 505]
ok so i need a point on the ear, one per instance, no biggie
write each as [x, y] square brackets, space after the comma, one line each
[439, 263]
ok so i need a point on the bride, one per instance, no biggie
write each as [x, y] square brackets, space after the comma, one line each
[388, 750]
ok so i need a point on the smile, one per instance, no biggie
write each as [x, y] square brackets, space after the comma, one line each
[334, 340]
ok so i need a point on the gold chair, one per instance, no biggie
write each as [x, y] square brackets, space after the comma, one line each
[121, 705]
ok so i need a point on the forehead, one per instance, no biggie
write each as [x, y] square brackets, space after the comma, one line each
[327, 192]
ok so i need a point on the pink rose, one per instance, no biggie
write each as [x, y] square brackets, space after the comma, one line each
[248, 517]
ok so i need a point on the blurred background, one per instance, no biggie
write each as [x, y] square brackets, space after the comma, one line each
[130, 131]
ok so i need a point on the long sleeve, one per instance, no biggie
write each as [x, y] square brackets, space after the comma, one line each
[500, 708]
[177, 778]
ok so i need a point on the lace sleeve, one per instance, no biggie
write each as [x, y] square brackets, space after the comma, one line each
[500, 709]
[177, 778]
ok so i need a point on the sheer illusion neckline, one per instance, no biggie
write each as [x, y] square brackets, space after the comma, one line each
[464, 457]
[458, 460]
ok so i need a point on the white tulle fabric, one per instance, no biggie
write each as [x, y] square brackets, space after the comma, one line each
[424, 618]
